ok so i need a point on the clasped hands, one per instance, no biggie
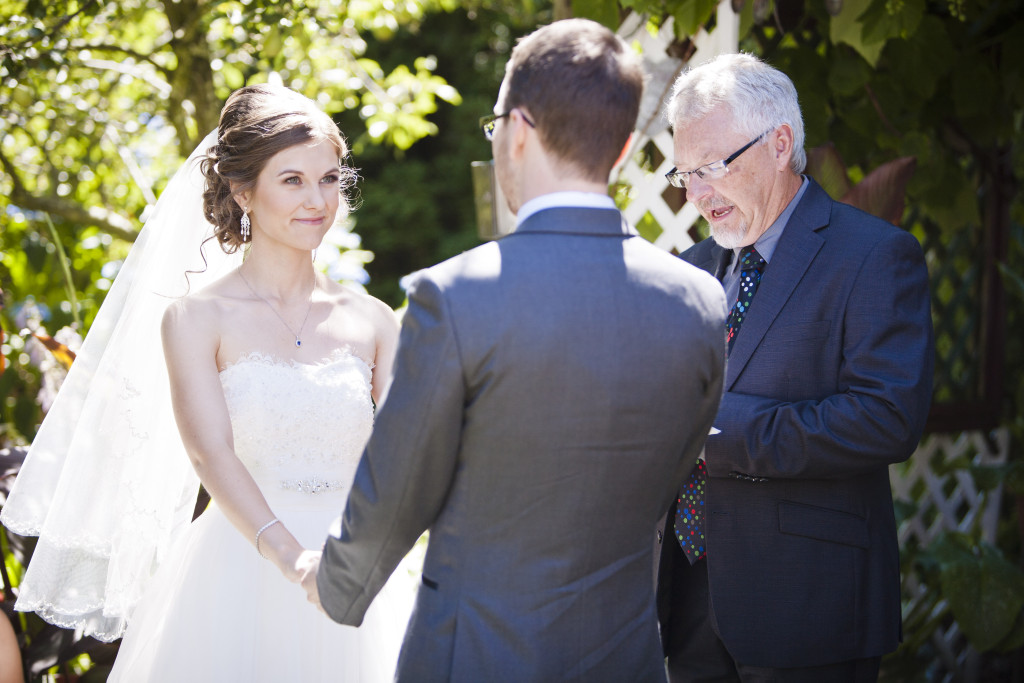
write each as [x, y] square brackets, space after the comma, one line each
[306, 566]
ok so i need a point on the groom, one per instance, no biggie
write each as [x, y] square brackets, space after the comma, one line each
[551, 391]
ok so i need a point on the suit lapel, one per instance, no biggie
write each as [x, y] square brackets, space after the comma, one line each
[710, 258]
[721, 263]
[798, 245]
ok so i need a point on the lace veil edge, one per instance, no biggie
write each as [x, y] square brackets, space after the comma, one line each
[106, 484]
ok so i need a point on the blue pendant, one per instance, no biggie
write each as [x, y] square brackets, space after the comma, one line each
[298, 342]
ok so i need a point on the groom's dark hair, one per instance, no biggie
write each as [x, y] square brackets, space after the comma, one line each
[581, 85]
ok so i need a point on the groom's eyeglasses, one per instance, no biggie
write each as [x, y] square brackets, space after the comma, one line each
[488, 123]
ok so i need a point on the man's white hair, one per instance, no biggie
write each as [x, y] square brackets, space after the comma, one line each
[759, 96]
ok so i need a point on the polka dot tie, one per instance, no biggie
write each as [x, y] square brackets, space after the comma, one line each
[690, 522]
[751, 266]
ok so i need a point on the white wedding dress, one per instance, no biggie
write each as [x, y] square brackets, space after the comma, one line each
[216, 610]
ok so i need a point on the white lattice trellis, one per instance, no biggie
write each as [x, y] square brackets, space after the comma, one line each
[950, 502]
[947, 499]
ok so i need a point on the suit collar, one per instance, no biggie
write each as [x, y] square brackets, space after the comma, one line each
[713, 259]
[577, 221]
[797, 247]
[564, 199]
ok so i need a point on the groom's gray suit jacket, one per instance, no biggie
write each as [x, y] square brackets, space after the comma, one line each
[551, 391]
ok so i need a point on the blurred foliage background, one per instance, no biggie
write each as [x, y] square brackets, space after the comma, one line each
[101, 101]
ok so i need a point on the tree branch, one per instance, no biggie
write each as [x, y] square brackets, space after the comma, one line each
[10, 170]
[163, 88]
[20, 49]
[103, 47]
[192, 94]
[104, 219]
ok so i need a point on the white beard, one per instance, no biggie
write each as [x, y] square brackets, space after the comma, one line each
[731, 238]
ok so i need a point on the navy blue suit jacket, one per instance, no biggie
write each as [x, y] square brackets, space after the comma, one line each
[828, 383]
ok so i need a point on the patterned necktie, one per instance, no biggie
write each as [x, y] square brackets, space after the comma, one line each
[751, 266]
[689, 522]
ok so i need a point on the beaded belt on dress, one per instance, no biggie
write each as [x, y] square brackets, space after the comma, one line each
[312, 484]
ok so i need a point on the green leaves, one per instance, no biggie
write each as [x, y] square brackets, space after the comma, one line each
[848, 74]
[846, 27]
[975, 89]
[691, 15]
[396, 113]
[923, 60]
[605, 12]
[149, 76]
[984, 590]
[867, 25]
[886, 19]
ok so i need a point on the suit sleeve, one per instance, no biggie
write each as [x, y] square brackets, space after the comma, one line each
[408, 465]
[884, 380]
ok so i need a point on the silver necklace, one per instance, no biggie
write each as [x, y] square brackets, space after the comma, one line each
[298, 340]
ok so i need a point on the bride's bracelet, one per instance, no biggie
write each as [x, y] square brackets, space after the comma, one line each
[259, 533]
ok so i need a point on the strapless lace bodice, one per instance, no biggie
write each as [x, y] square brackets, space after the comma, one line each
[299, 427]
[292, 423]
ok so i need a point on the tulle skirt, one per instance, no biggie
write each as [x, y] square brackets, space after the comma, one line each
[217, 611]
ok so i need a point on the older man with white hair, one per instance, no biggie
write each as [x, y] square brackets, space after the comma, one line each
[780, 561]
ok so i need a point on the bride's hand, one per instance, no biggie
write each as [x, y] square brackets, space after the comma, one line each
[307, 565]
[295, 566]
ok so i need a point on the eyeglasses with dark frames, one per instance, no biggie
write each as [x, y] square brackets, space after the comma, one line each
[713, 171]
[488, 123]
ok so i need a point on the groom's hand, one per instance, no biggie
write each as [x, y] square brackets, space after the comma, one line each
[307, 565]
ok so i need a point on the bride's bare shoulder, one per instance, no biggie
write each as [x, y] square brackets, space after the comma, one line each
[206, 308]
[361, 302]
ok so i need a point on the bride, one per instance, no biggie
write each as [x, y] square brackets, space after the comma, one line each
[272, 371]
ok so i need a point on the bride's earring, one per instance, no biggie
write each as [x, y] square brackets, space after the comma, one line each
[245, 225]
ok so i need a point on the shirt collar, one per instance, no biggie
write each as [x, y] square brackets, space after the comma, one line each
[585, 200]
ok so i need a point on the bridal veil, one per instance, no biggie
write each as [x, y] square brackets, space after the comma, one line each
[107, 485]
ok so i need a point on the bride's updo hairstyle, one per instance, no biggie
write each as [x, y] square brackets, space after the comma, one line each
[257, 122]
